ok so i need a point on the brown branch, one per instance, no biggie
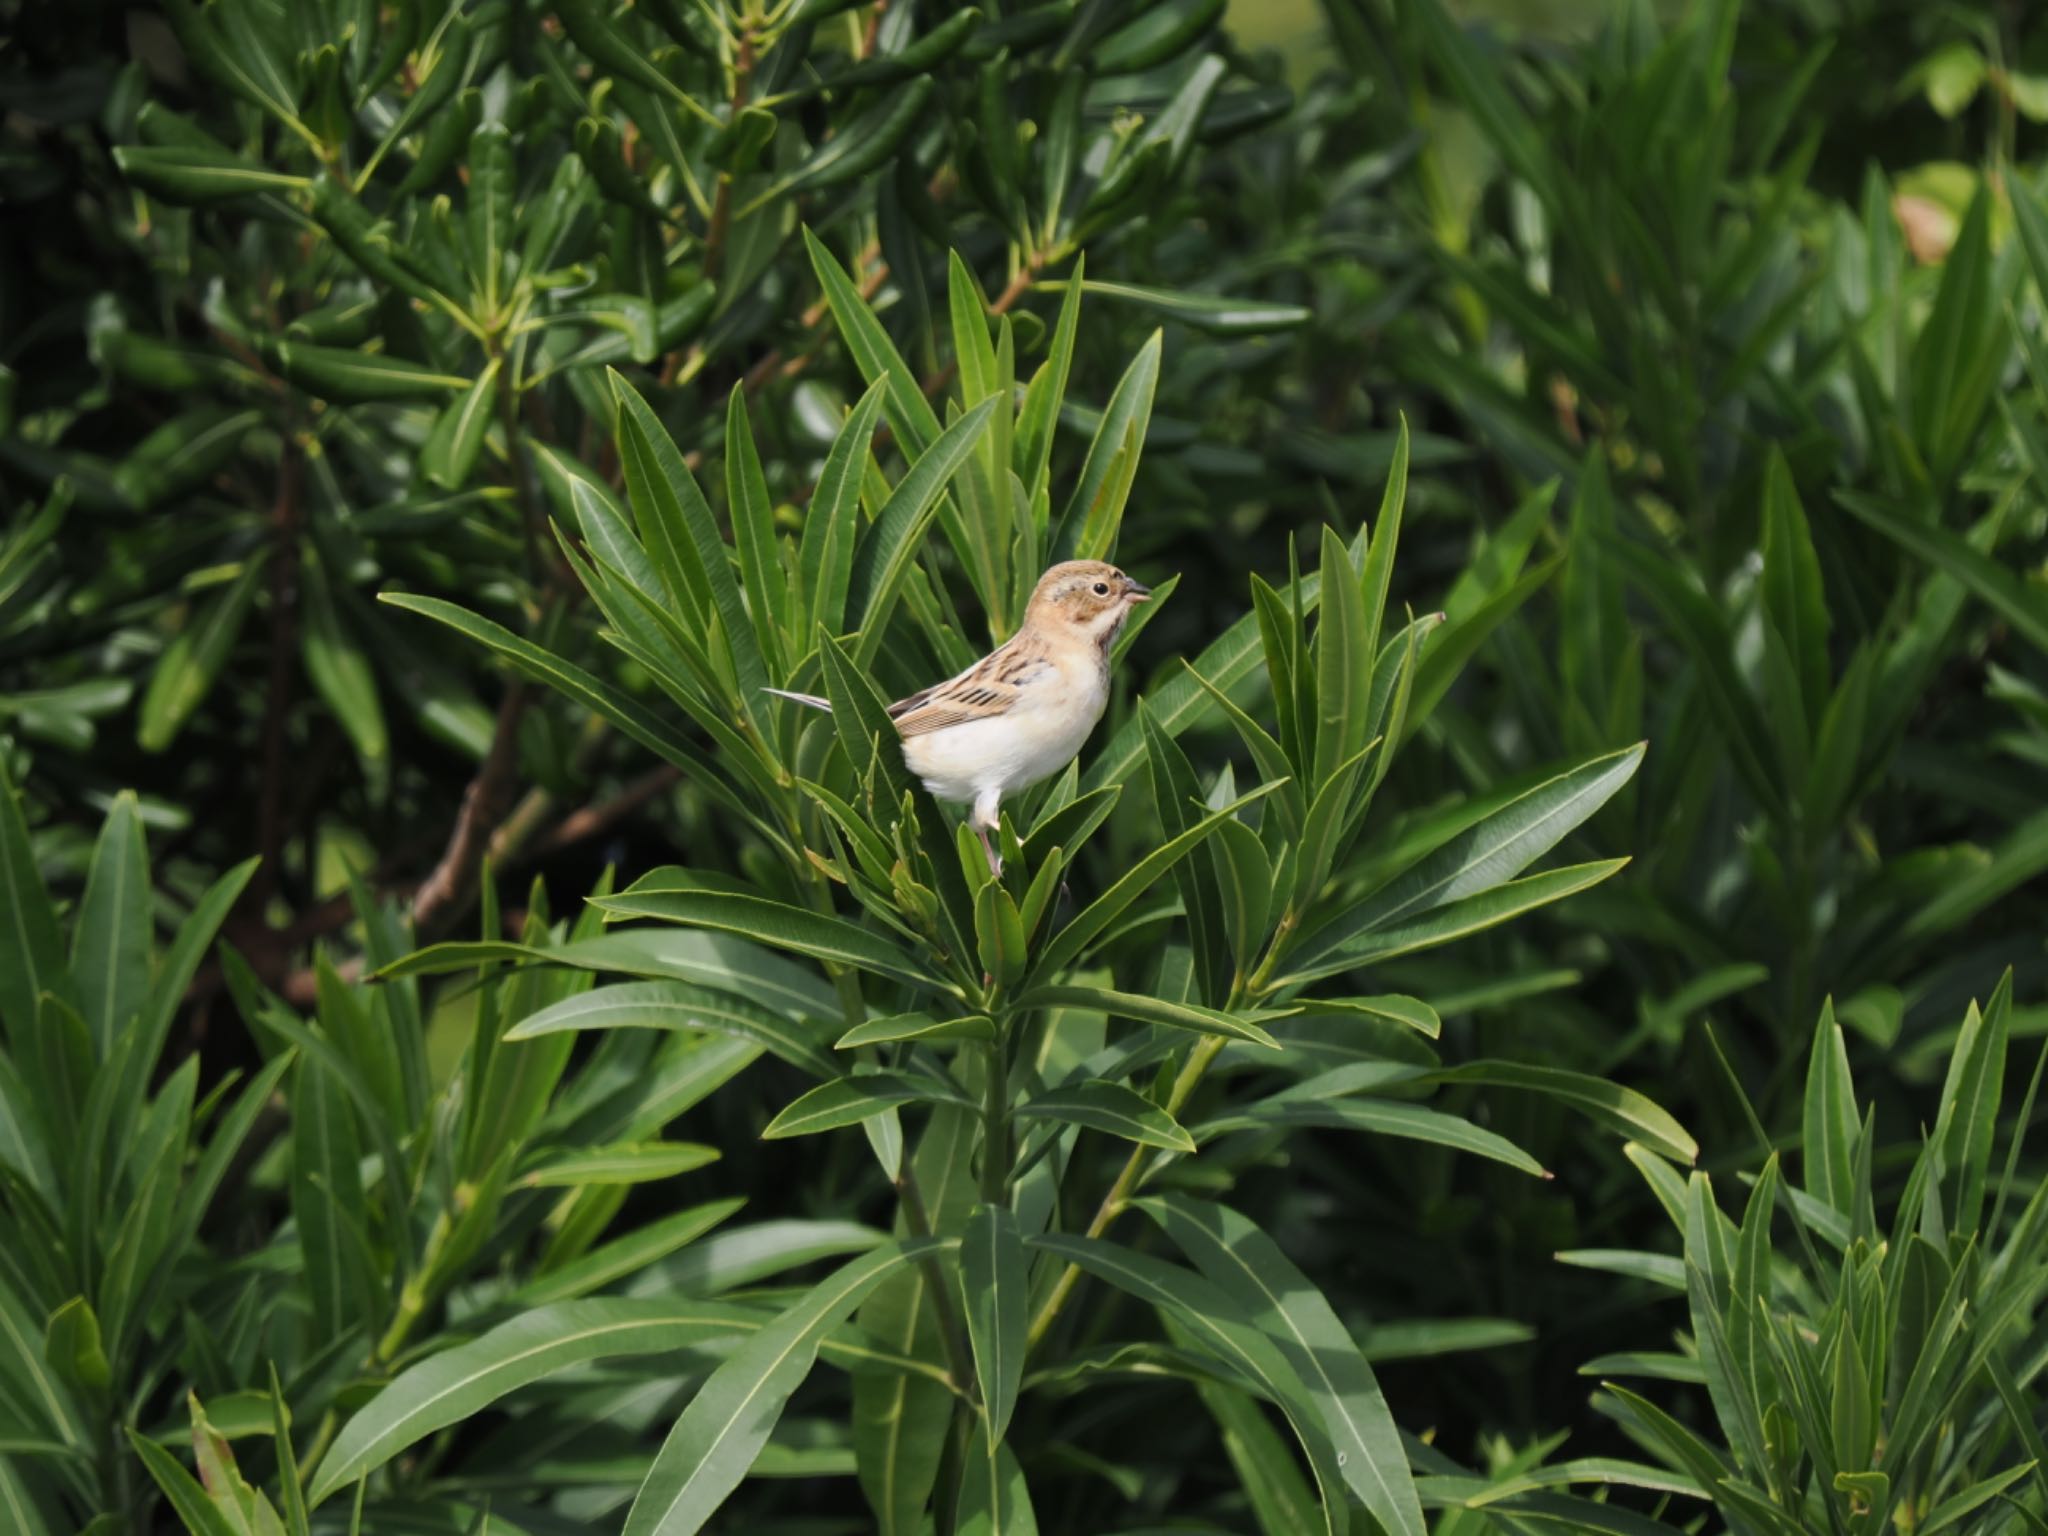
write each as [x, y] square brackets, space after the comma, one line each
[591, 820]
[442, 895]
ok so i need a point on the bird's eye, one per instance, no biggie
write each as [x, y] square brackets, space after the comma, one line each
[1102, 589]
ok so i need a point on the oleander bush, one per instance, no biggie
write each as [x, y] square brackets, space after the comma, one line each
[470, 1059]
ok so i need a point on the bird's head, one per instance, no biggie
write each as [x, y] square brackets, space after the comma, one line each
[1090, 595]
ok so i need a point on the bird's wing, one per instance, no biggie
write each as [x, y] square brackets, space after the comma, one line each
[989, 688]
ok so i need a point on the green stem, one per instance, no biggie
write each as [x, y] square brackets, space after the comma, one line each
[995, 1127]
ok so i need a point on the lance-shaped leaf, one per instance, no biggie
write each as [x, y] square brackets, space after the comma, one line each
[851, 1100]
[626, 1163]
[1218, 1325]
[911, 416]
[1622, 1109]
[997, 1289]
[1112, 1108]
[457, 441]
[458, 1383]
[1095, 511]
[1149, 1010]
[628, 714]
[1089, 924]
[994, 1500]
[679, 1005]
[723, 1430]
[832, 521]
[775, 923]
[680, 532]
[186, 670]
[111, 941]
[1483, 856]
[1279, 1299]
[899, 528]
[1382, 1117]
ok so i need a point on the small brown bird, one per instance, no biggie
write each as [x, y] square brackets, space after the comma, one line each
[1020, 713]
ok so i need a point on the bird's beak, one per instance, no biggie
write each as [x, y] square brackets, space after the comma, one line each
[1137, 592]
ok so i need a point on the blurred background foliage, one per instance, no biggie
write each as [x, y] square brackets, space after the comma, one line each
[1719, 325]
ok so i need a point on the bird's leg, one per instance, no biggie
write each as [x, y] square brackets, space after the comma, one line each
[984, 820]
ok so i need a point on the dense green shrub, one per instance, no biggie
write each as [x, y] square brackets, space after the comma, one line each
[667, 349]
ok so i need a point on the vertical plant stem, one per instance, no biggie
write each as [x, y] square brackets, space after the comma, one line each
[995, 1125]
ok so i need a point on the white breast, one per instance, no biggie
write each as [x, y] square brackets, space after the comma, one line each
[1034, 739]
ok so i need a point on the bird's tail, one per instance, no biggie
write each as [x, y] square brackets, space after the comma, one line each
[802, 698]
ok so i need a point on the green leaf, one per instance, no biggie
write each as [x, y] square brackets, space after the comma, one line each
[1344, 654]
[292, 1491]
[1993, 583]
[678, 1005]
[340, 673]
[194, 175]
[1112, 1108]
[247, 1510]
[1284, 1305]
[1967, 1123]
[720, 1434]
[1792, 591]
[899, 528]
[111, 941]
[850, 1100]
[1212, 312]
[822, 937]
[994, 1500]
[1411, 1012]
[1279, 1495]
[1610, 1104]
[199, 1514]
[911, 416]
[487, 215]
[449, 455]
[1149, 1010]
[349, 377]
[1830, 1119]
[916, 1026]
[1484, 856]
[458, 1383]
[1048, 391]
[624, 1257]
[1067, 945]
[637, 721]
[1095, 511]
[1458, 920]
[327, 1200]
[1216, 1322]
[832, 523]
[753, 527]
[625, 1163]
[1411, 1122]
[675, 517]
[1963, 347]
[998, 1292]
[186, 671]
[71, 1343]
